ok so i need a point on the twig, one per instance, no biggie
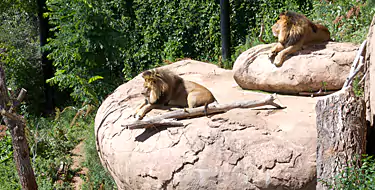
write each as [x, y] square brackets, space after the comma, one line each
[363, 78]
[319, 93]
[260, 38]
[199, 111]
[19, 99]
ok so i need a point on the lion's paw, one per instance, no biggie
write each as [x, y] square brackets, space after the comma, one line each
[278, 62]
[138, 117]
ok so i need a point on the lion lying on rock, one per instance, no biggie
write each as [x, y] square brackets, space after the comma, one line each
[163, 87]
[294, 30]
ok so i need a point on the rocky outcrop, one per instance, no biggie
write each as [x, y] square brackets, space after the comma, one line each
[319, 66]
[260, 148]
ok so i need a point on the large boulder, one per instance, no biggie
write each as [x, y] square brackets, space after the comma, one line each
[319, 66]
[260, 148]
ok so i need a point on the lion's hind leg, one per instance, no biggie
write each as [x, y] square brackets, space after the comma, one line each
[199, 98]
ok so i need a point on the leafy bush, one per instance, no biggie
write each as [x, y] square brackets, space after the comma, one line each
[353, 177]
[86, 49]
[9, 176]
[19, 37]
[51, 143]
[347, 20]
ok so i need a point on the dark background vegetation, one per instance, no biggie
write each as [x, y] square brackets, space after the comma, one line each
[70, 54]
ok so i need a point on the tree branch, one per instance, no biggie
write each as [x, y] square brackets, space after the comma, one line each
[356, 66]
[164, 119]
[260, 37]
[140, 124]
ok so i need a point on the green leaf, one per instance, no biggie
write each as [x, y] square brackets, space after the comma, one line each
[92, 79]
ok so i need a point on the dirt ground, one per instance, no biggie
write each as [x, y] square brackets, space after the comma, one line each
[78, 158]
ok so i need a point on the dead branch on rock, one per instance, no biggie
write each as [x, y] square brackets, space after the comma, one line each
[356, 66]
[140, 124]
[165, 119]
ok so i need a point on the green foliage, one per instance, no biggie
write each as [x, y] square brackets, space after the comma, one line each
[347, 20]
[358, 86]
[6, 149]
[19, 37]
[50, 144]
[9, 176]
[104, 38]
[28, 6]
[352, 177]
[97, 174]
[88, 42]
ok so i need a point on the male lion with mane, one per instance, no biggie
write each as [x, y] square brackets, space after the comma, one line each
[294, 30]
[162, 87]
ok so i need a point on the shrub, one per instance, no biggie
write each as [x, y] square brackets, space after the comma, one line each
[353, 177]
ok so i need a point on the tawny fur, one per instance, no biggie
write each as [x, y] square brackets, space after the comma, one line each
[162, 87]
[294, 30]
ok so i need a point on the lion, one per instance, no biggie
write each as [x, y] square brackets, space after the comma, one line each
[294, 30]
[164, 88]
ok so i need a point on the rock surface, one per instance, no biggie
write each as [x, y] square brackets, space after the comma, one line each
[316, 66]
[260, 148]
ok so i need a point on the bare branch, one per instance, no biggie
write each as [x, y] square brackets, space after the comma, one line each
[19, 99]
[199, 111]
[261, 33]
[147, 124]
[355, 68]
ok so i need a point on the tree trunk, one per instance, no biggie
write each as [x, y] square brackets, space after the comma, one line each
[16, 126]
[225, 29]
[341, 127]
[46, 64]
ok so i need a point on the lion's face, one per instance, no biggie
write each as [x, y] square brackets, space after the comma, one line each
[276, 28]
[151, 86]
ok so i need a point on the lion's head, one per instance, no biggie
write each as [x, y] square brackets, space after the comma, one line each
[158, 84]
[285, 20]
[291, 27]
